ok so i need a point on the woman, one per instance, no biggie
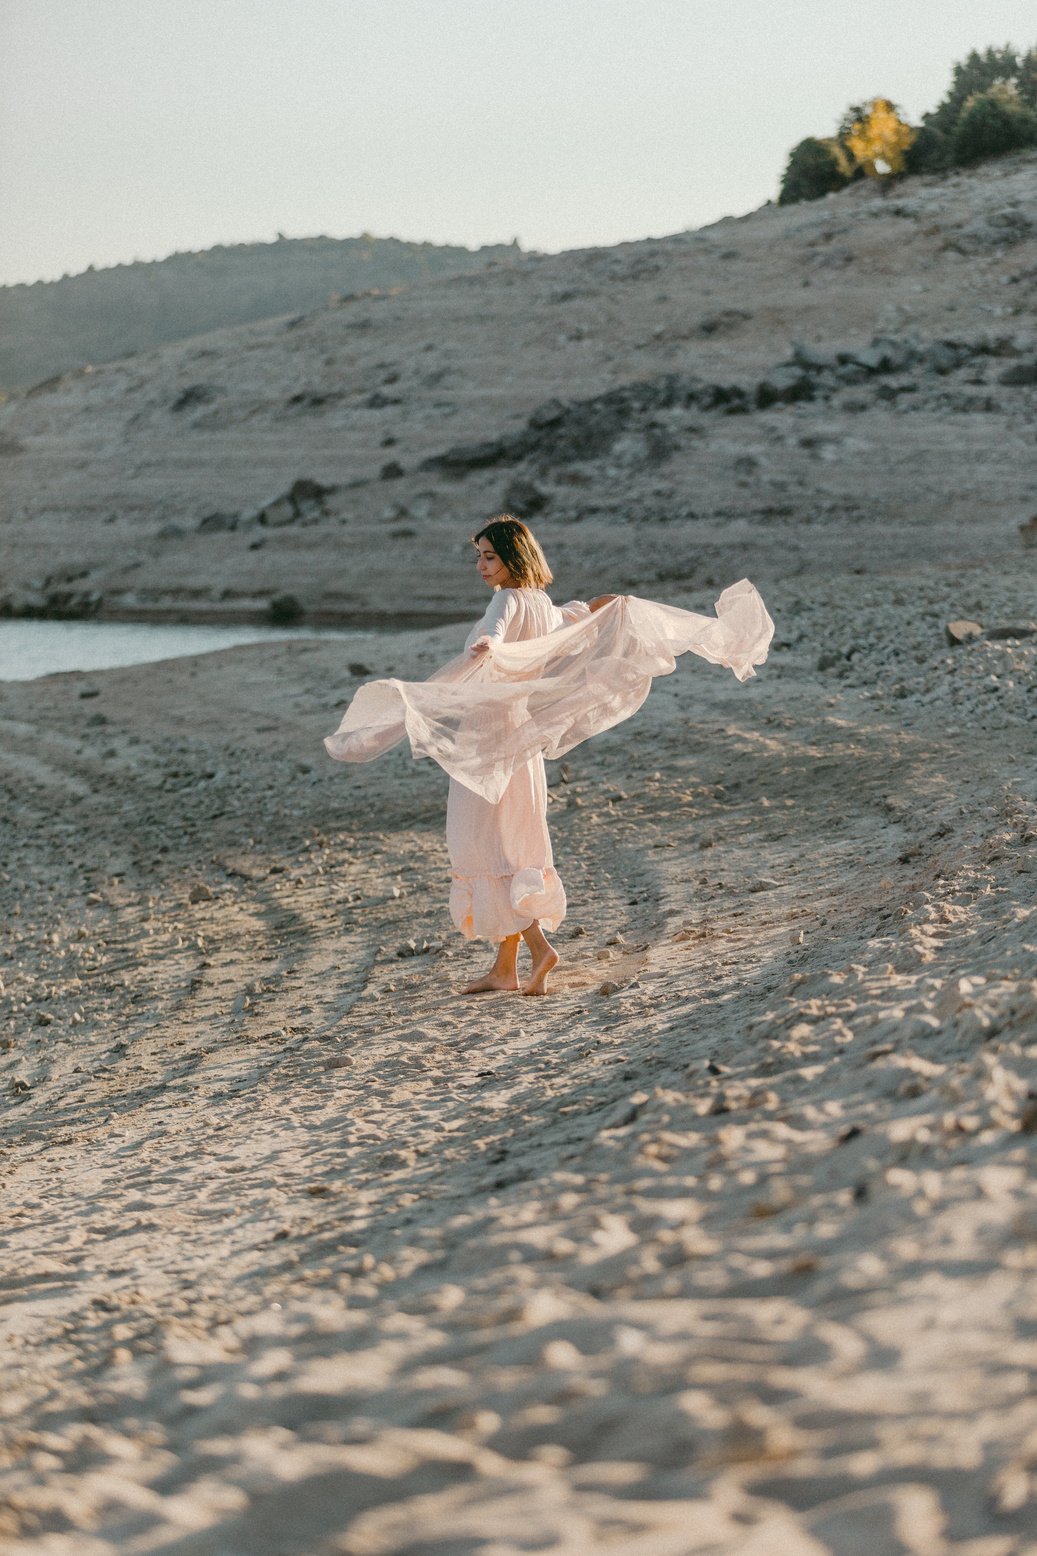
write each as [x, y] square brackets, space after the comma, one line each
[534, 681]
[505, 886]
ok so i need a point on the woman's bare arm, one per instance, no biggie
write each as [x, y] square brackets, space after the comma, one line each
[602, 599]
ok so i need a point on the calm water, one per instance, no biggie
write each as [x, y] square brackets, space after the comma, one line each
[32, 648]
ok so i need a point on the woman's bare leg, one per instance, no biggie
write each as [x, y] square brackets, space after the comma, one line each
[503, 975]
[544, 955]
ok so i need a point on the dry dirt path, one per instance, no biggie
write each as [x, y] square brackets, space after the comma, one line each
[728, 1246]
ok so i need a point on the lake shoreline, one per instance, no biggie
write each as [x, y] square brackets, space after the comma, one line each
[220, 614]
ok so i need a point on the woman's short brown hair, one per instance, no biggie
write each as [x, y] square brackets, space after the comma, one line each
[519, 550]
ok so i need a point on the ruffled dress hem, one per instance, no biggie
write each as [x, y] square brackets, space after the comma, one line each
[492, 907]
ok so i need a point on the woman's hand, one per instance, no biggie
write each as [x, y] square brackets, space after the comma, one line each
[603, 599]
[480, 646]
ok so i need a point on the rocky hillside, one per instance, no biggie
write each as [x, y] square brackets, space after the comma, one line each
[847, 387]
[52, 327]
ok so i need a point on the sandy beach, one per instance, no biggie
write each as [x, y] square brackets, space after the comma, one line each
[729, 1245]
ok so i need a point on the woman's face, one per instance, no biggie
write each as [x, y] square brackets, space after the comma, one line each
[489, 565]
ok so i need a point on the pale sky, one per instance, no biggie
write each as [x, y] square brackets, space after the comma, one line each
[133, 128]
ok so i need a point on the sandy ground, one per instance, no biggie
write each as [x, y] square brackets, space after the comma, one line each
[728, 1246]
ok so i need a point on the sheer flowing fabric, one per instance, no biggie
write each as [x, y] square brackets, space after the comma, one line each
[483, 717]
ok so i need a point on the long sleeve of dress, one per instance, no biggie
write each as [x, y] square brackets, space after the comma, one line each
[497, 618]
[574, 610]
[549, 683]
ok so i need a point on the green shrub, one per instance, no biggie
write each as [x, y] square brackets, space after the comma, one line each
[970, 76]
[929, 152]
[813, 170]
[991, 124]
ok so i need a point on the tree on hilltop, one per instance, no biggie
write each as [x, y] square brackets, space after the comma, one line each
[879, 139]
[871, 141]
[989, 109]
[815, 168]
[976, 73]
[993, 123]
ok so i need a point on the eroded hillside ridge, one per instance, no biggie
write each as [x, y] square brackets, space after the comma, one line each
[52, 327]
[838, 386]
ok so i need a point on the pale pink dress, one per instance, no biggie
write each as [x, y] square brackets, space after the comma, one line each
[552, 678]
[501, 865]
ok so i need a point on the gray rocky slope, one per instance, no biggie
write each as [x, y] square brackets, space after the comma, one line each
[840, 387]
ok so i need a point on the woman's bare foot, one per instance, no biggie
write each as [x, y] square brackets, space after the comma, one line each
[544, 955]
[502, 977]
[493, 982]
[538, 978]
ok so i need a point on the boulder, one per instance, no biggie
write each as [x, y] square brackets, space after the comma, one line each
[784, 385]
[547, 415]
[468, 456]
[871, 358]
[958, 632]
[278, 513]
[812, 358]
[943, 356]
[284, 610]
[194, 395]
[215, 523]
[524, 497]
[852, 373]
[895, 355]
[304, 503]
[392, 470]
[1020, 373]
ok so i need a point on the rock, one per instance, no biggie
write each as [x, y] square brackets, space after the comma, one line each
[200, 892]
[624, 1115]
[871, 358]
[285, 610]
[943, 356]
[392, 470]
[895, 355]
[524, 497]
[408, 948]
[24, 603]
[44, 1018]
[10, 445]
[852, 373]
[784, 385]
[962, 632]
[1020, 373]
[378, 401]
[608, 987]
[194, 395]
[90, 691]
[467, 456]
[829, 660]
[356, 668]
[304, 502]
[214, 523]
[277, 514]
[547, 415]
[812, 358]
[72, 604]
[1028, 531]
[170, 532]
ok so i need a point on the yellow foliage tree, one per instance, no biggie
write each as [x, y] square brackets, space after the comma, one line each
[879, 141]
